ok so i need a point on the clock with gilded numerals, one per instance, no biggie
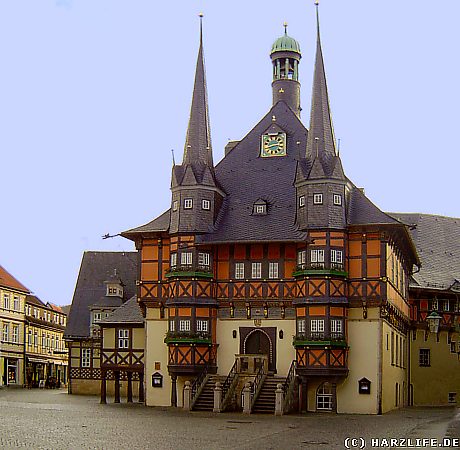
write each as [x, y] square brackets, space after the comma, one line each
[273, 144]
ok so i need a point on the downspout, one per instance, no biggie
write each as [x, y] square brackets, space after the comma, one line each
[380, 366]
[25, 363]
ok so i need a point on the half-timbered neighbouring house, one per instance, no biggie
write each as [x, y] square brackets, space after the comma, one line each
[105, 282]
[273, 259]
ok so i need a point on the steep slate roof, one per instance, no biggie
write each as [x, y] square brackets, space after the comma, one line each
[108, 301]
[7, 280]
[159, 224]
[95, 269]
[34, 300]
[246, 177]
[129, 312]
[437, 239]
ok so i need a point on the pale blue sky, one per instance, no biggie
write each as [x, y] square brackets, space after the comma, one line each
[94, 94]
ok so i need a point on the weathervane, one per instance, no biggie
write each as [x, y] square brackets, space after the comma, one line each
[285, 25]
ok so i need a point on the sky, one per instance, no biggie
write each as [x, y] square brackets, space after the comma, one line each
[94, 95]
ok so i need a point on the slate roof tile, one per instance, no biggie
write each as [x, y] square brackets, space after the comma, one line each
[129, 312]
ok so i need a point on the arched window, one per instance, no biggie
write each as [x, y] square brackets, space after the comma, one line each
[325, 397]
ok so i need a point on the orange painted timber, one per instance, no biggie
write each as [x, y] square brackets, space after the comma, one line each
[317, 310]
[257, 251]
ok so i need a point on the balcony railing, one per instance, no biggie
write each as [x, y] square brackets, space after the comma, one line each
[320, 267]
[190, 270]
[302, 339]
[174, 337]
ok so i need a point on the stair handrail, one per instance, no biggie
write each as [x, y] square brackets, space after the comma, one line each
[289, 387]
[229, 385]
[257, 384]
[198, 384]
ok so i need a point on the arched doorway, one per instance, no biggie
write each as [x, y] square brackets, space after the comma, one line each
[325, 397]
[259, 341]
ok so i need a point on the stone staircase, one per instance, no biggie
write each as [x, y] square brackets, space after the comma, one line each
[205, 401]
[265, 402]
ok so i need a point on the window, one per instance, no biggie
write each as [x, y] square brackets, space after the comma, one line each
[6, 301]
[257, 270]
[317, 199]
[86, 357]
[97, 317]
[206, 204]
[452, 397]
[172, 325]
[446, 305]
[317, 325]
[15, 335]
[186, 258]
[35, 339]
[203, 259]
[424, 357]
[184, 325]
[337, 200]
[301, 201]
[123, 338]
[259, 209]
[6, 332]
[239, 271]
[30, 338]
[273, 270]
[302, 258]
[336, 328]
[325, 397]
[317, 258]
[16, 303]
[300, 326]
[453, 347]
[173, 259]
[434, 305]
[202, 325]
[175, 205]
[336, 259]
[188, 203]
[43, 341]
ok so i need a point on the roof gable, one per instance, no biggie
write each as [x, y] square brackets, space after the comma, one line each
[7, 280]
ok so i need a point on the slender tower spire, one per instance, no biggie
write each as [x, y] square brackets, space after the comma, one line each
[198, 150]
[321, 141]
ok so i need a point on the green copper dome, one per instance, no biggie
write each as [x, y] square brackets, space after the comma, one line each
[285, 44]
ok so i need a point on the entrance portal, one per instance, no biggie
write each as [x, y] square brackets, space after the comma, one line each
[259, 341]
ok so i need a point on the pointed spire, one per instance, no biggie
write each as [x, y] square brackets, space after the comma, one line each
[321, 140]
[198, 150]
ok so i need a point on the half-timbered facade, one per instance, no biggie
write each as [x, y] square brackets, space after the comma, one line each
[106, 280]
[275, 251]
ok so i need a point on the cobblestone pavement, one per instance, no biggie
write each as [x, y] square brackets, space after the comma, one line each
[51, 419]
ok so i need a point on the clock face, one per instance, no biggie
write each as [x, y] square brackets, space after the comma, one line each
[273, 144]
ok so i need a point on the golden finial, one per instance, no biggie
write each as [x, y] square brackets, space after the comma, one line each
[316, 2]
[285, 25]
[201, 15]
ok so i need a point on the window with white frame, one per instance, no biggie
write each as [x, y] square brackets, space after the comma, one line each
[35, 339]
[337, 199]
[273, 270]
[186, 258]
[260, 209]
[97, 317]
[15, 334]
[188, 203]
[123, 338]
[336, 327]
[206, 204]
[202, 325]
[85, 357]
[434, 305]
[301, 258]
[6, 332]
[256, 270]
[300, 326]
[172, 325]
[16, 303]
[239, 271]
[6, 301]
[317, 257]
[175, 205]
[325, 397]
[173, 259]
[445, 305]
[203, 259]
[30, 338]
[184, 325]
[336, 257]
[317, 199]
[52, 342]
[317, 325]
[301, 201]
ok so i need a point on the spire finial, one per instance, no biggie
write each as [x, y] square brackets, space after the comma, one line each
[200, 15]
[285, 25]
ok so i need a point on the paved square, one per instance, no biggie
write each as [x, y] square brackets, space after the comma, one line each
[52, 419]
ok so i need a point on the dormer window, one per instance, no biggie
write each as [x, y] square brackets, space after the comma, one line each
[337, 199]
[317, 199]
[206, 204]
[188, 203]
[260, 208]
[301, 201]
[97, 317]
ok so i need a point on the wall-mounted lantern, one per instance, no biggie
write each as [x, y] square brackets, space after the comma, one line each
[434, 320]
[364, 386]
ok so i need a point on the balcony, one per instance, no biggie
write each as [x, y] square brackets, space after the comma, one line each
[187, 337]
[191, 358]
[322, 362]
[320, 268]
[190, 270]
